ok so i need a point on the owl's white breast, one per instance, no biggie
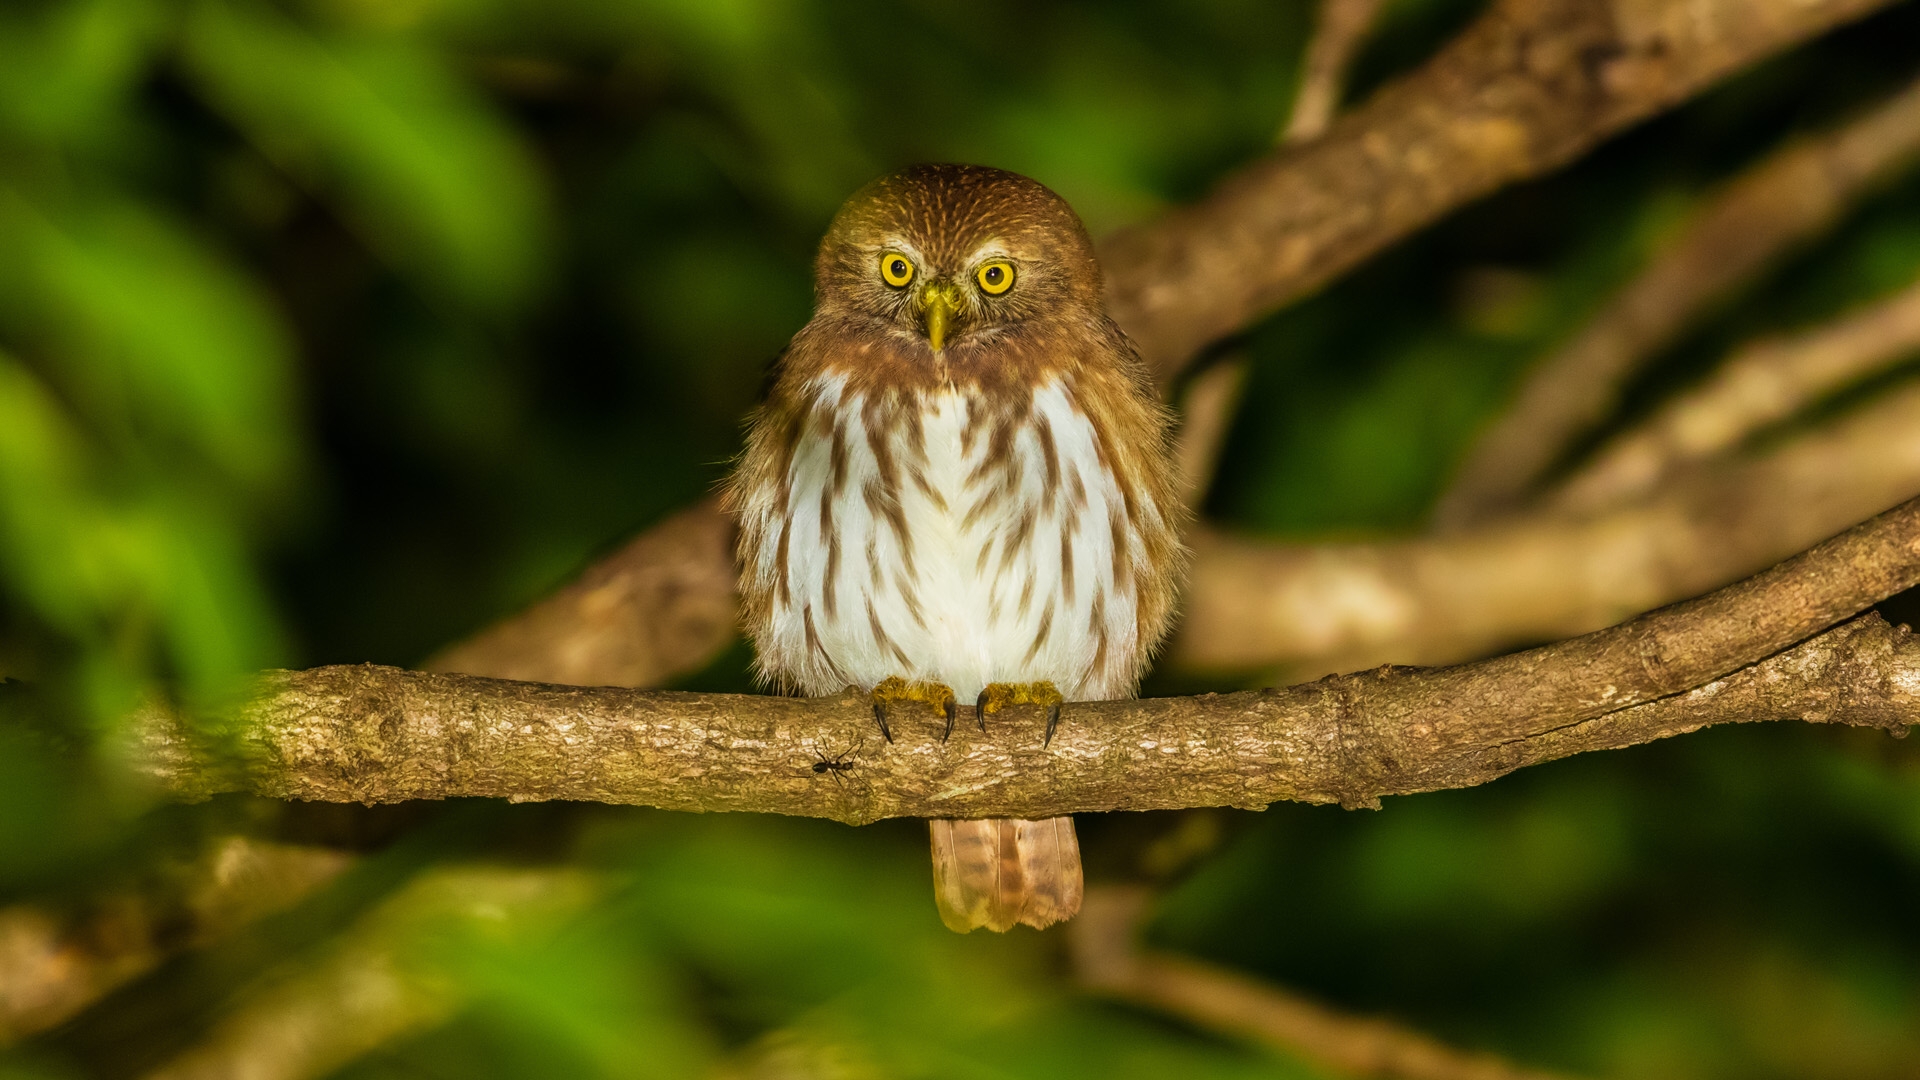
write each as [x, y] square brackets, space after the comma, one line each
[938, 551]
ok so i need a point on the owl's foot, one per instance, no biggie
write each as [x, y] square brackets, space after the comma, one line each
[893, 693]
[999, 695]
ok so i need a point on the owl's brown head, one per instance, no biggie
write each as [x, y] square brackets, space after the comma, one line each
[948, 256]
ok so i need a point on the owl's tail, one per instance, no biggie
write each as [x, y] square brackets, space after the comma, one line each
[1002, 871]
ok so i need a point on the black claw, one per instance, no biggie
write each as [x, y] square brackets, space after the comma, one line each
[880, 717]
[980, 711]
[1053, 721]
[952, 709]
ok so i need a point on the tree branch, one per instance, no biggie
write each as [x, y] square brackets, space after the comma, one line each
[373, 984]
[1108, 960]
[1339, 30]
[1528, 87]
[55, 964]
[1762, 384]
[371, 734]
[661, 606]
[1796, 193]
[1311, 609]
[1207, 412]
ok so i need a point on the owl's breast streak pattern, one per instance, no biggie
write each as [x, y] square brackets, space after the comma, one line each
[953, 535]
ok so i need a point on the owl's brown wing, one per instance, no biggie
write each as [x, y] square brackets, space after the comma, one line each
[1002, 871]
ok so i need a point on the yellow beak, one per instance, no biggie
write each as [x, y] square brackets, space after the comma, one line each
[941, 307]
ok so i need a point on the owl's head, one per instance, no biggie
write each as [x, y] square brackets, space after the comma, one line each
[954, 254]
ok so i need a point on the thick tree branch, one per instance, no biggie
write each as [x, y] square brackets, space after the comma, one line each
[372, 734]
[1311, 609]
[1530, 86]
[1797, 193]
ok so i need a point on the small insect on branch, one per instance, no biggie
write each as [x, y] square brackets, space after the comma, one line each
[836, 765]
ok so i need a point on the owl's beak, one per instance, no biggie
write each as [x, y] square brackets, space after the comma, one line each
[937, 316]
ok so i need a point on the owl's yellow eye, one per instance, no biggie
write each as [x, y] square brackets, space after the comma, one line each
[996, 277]
[895, 269]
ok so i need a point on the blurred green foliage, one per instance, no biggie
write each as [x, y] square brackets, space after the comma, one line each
[330, 329]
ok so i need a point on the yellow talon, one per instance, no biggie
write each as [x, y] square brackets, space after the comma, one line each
[998, 696]
[894, 690]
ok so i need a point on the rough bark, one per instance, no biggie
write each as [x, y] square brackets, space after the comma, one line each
[376, 734]
[373, 734]
[1795, 194]
[1311, 609]
[1528, 87]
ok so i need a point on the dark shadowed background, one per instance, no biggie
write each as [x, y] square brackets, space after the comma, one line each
[331, 330]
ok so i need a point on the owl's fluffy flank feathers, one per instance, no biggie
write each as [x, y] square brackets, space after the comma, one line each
[997, 510]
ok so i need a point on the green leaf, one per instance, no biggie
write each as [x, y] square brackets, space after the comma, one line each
[111, 565]
[380, 127]
[151, 331]
[64, 75]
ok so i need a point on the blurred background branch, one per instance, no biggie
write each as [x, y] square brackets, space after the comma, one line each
[1108, 959]
[661, 606]
[1762, 384]
[395, 972]
[1339, 29]
[1529, 86]
[1795, 194]
[53, 963]
[1310, 609]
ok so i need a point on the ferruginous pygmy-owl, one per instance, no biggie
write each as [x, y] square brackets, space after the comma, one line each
[960, 483]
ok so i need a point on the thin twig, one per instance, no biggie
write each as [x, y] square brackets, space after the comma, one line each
[1338, 32]
[370, 734]
[1764, 383]
[1796, 193]
[1207, 411]
[1108, 960]
[1206, 417]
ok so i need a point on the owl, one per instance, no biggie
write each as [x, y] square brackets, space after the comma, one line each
[960, 486]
